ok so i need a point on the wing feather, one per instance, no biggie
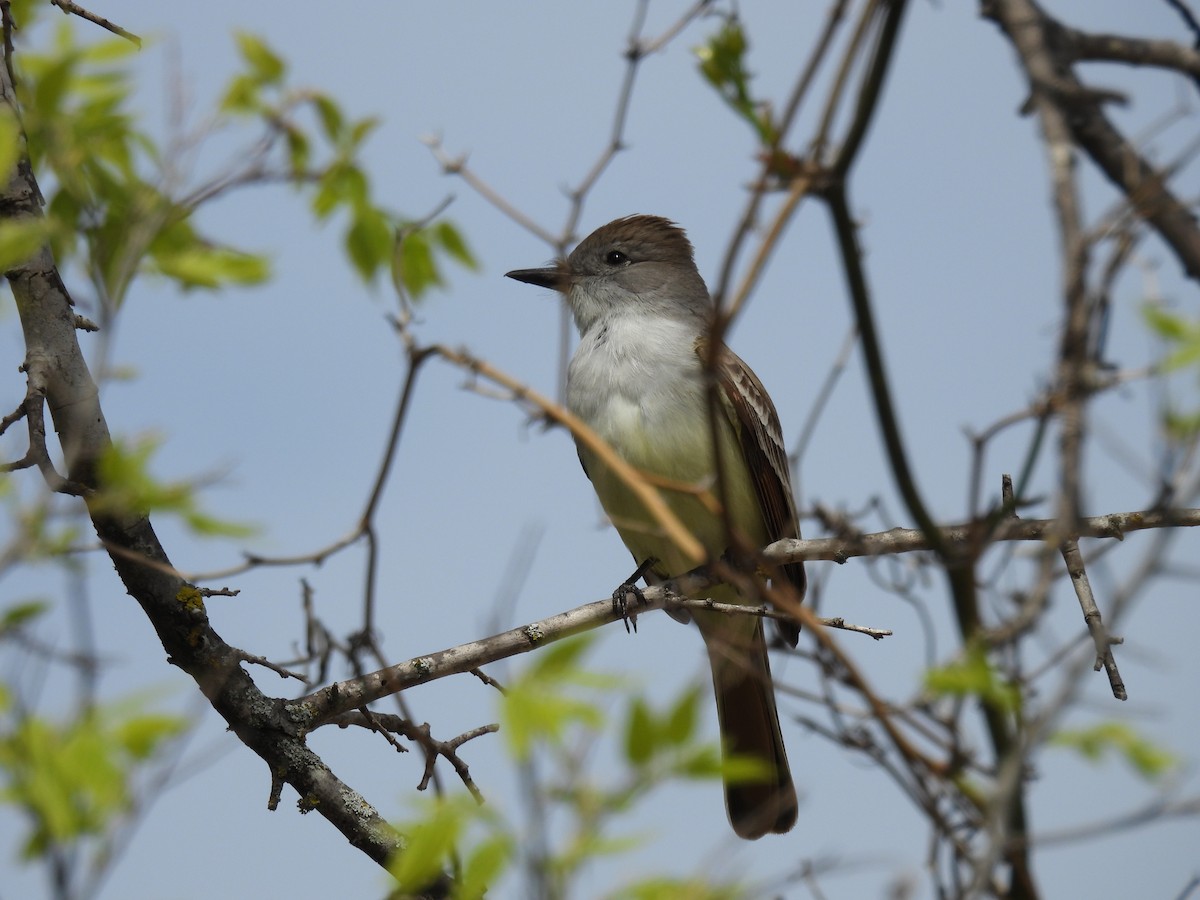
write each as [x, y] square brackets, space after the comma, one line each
[756, 423]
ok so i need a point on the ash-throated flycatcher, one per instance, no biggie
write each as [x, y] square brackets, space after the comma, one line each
[638, 379]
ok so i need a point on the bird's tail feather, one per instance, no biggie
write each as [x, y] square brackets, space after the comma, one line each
[749, 724]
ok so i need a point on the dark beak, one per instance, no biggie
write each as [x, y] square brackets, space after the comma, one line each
[553, 277]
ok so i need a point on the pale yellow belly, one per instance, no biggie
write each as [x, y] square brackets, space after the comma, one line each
[684, 456]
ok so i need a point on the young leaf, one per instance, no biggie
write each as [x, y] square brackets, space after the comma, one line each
[484, 865]
[451, 240]
[681, 723]
[640, 733]
[1148, 760]
[430, 840]
[413, 265]
[266, 67]
[202, 266]
[723, 65]
[19, 240]
[369, 241]
[974, 675]
[128, 488]
[10, 143]
[19, 614]
[330, 114]
[1179, 332]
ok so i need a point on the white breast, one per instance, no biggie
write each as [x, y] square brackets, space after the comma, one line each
[637, 382]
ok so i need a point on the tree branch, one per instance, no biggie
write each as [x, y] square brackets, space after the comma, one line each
[320, 706]
[55, 366]
[1043, 47]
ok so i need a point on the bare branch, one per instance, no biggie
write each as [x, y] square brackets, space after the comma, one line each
[1091, 617]
[1037, 39]
[74, 9]
[964, 536]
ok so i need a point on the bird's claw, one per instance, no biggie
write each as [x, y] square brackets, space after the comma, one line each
[620, 597]
[622, 606]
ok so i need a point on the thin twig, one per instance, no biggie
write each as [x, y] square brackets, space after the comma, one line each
[74, 9]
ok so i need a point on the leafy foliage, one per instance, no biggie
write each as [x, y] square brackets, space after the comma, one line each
[541, 706]
[106, 207]
[974, 675]
[723, 65]
[20, 614]
[375, 239]
[556, 707]
[1148, 760]
[128, 488]
[1182, 338]
[1181, 335]
[434, 840]
[553, 729]
[72, 780]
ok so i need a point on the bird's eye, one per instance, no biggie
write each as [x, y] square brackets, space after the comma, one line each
[615, 258]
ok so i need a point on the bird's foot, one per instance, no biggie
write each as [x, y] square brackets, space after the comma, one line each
[620, 597]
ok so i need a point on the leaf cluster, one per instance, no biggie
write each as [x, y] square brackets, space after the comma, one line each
[73, 780]
[554, 716]
[375, 239]
[108, 208]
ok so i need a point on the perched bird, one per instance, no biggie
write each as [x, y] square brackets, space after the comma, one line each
[638, 379]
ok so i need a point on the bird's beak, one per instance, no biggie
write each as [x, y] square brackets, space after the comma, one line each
[553, 277]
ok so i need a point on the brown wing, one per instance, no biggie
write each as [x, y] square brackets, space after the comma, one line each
[754, 418]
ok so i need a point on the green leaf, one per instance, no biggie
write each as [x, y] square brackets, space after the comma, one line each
[560, 658]
[1181, 426]
[663, 888]
[1150, 761]
[128, 488]
[537, 715]
[484, 865]
[451, 240]
[19, 240]
[974, 675]
[64, 212]
[743, 769]
[413, 265]
[1167, 325]
[330, 115]
[266, 67]
[200, 266]
[299, 151]
[141, 736]
[428, 844]
[19, 614]
[342, 184]
[241, 96]
[702, 763]
[543, 703]
[10, 143]
[52, 84]
[72, 780]
[640, 733]
[1183, 334]
[110, 51]
[723, 65]
[360, 130]
[369, 241]
[681, 723]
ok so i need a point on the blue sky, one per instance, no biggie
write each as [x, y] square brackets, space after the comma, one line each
[285, 392]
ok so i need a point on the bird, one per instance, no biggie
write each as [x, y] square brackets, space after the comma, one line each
[639, 378]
